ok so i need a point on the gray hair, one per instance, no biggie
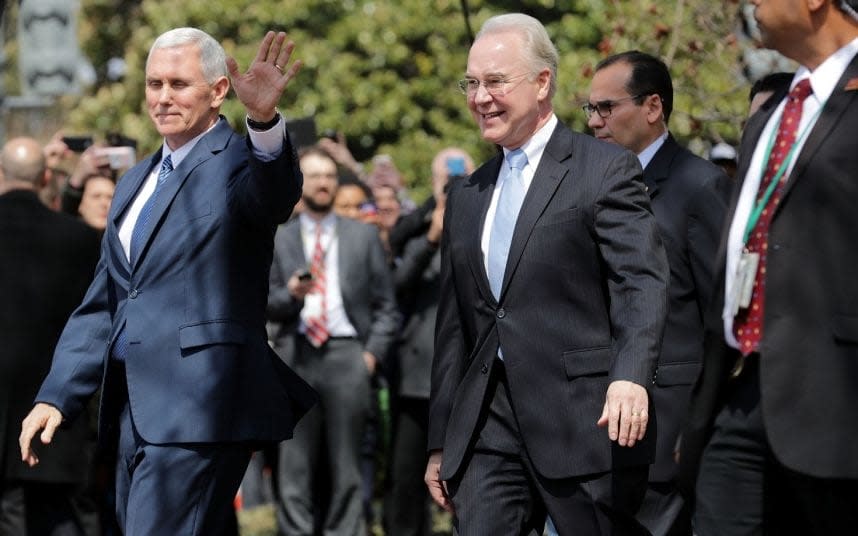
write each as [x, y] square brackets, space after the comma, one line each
[539, 52]
[212, 55]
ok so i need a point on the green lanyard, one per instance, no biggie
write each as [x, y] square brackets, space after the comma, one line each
[761, 204]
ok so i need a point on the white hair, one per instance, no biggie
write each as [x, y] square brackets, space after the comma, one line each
[212, 55]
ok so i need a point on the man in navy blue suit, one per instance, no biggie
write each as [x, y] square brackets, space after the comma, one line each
[173, 324]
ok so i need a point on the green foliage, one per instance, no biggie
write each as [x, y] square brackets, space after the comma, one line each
[384, 72]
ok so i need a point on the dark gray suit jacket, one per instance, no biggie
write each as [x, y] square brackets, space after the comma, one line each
[809, 350]
[689, 200]
[583, 304]
[365, 283]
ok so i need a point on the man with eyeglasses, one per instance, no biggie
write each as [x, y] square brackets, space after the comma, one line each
[631, 98]
[552, 303]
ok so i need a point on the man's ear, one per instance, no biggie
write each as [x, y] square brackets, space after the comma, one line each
[544, 80]
[654, 108]
[219, 90]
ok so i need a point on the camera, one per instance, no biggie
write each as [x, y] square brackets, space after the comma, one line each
[304, 275]
[77, 144]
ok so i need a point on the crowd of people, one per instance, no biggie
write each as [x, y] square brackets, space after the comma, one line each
[590, 333]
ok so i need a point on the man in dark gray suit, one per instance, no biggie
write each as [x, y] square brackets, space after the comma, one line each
[48, 260]
[334, 313]
[631, 98]
[553, 299]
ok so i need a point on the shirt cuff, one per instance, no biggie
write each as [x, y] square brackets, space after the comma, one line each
[268, 144]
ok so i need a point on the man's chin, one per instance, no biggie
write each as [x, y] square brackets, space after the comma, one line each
[315, 206]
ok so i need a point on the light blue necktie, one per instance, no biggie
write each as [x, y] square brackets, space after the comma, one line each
[120, 347]
[143, 218]
[509, 203]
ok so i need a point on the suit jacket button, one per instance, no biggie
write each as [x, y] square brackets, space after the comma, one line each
[484, 369]
[501, 313]
[133, 294]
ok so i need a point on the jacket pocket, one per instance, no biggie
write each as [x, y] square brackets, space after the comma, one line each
[559, 217]
[211, 332]
[587, 362]
[676, 373]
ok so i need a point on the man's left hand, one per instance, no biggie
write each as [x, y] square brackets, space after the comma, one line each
[626, 412]
[260, 88]
[371, 362]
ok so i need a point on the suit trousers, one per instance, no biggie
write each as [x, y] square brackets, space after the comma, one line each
[47, 509]
[743, 490]
[176, 489]
[329, 434]
[499, 492]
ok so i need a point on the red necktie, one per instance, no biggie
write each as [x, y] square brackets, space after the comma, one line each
[748, 324]
[317, 326]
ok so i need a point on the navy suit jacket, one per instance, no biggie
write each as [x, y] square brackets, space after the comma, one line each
[809, 349]
[199, 368]
[582, 304]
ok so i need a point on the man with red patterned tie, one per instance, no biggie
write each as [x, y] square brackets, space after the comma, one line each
[333, 310]
[770, 445]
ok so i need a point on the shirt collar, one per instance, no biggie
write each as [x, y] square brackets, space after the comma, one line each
[535, 146]
[647, 154]
[308, 224]
[824, 78]
[179, 154]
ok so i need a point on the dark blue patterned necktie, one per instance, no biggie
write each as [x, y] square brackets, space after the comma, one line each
[145, 212]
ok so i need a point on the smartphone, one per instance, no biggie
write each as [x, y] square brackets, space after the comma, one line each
[455, 166]
[118, 157]
[77, 144]
[305, 275]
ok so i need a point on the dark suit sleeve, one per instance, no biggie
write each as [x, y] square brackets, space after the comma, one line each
[447, 363]
[416, 256]
[282, 306]
[76, 370]
[272, 188]
[637, 271]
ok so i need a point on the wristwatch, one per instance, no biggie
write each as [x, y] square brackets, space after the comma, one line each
[262, 127]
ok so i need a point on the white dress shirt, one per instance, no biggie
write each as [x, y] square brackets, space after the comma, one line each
[338, 322]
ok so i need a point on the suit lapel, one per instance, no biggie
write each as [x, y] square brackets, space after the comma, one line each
[546, 179]
[658, 168]
[833, 112]
[133, 179]
[477, 193]
[345, 257]
[210, 144]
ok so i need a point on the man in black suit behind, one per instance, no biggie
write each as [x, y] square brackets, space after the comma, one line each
[631, 98]
[772, 434]
[48, 260]
[551, 313]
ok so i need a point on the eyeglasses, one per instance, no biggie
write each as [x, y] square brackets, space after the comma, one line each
[496, 86]
[604, 108]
